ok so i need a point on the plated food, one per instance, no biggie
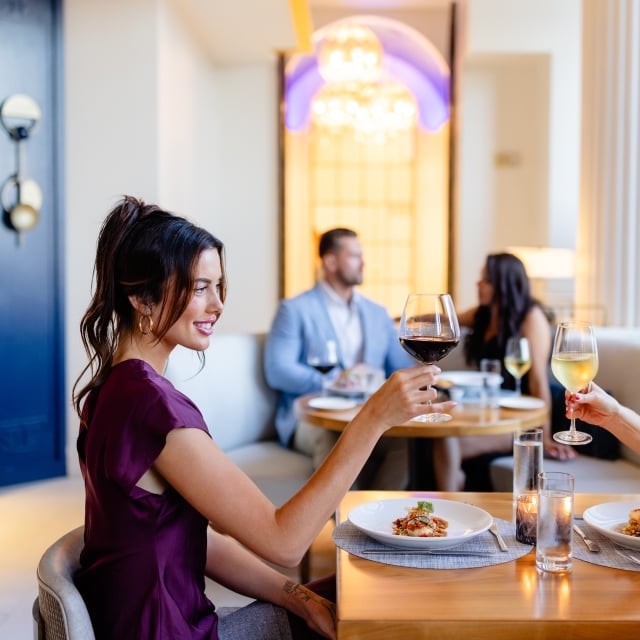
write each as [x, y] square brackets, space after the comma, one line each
[618, 521]
[632, 528]
[376, 519]
[357, 381]
[420, 522]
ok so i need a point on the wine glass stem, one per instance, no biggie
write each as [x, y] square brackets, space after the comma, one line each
[572, 425]
[518, 386]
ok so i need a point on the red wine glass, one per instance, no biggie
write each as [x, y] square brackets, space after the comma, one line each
[429, 330]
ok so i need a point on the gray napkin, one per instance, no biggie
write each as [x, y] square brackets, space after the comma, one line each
[607, 557]
[351, 539]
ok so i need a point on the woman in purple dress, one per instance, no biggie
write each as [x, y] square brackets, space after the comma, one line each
[165, 507]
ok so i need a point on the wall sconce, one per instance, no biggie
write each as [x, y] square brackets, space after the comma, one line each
[21, 198]
[547, 263]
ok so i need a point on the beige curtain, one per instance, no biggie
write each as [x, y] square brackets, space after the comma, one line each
[608, 270]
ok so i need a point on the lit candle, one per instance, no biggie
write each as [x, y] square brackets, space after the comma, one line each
[526, 518]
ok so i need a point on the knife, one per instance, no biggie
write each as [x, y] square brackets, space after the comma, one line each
[591, 545]
[423, 552]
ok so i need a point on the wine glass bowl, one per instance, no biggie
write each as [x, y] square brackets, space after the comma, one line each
[429, 330]
[517, 359]
[574, 362]
[323, 357]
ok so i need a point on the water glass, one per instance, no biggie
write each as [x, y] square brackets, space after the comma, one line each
[555, 518]
[491, 381]
[527, 465]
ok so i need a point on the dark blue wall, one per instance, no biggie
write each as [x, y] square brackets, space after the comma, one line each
[32, 403]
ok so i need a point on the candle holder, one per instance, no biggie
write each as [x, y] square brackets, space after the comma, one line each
[526, 518]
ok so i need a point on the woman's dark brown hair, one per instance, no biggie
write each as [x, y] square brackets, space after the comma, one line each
[146, 252]
[512, 295]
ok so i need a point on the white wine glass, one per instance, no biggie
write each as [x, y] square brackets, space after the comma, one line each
[323, 357]
[517, 359]
[429, 330]
[574, 362]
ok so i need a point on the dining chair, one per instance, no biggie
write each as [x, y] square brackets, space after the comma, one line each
[59, 612]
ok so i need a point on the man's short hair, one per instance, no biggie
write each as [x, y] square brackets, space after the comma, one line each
[330, 240]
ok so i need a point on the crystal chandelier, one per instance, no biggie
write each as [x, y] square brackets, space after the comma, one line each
[350, 54]
[356, 95]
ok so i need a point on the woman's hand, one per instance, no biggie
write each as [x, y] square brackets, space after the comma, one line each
[555, 450]
[404, 395]
[318, 612]
[593, 405]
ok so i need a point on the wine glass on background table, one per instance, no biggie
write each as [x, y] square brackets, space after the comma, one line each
[574, 362]
[323, 357]
[429, 330]
[517, 359]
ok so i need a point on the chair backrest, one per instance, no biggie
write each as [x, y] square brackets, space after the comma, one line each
[63, 614]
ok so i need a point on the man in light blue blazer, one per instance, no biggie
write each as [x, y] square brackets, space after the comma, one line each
[363, 332]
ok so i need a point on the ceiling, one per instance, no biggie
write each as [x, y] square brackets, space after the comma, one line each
[249, 31]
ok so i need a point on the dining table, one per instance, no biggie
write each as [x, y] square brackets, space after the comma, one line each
[467, 419]
[507, 599]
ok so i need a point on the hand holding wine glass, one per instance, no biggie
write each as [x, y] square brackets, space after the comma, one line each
[323, 357]
[517, 359]
[574, 362]
[429, 329]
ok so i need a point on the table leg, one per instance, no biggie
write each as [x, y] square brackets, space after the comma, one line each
[421, 476]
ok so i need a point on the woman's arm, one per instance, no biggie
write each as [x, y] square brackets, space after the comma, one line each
[537, 331]
[232, 566]
[195, 467]
[596, 406]
[466, 317]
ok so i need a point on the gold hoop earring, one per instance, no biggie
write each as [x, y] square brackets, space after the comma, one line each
[145, 330]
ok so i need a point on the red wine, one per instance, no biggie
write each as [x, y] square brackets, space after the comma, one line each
[428, 349]
[323, 368]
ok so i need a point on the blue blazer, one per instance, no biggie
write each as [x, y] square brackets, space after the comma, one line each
[301, 320]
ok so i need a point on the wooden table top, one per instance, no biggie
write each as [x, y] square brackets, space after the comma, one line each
[466, 420]
[504, 601]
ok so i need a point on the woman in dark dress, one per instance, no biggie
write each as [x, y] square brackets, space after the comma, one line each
[505, 309]
[164, 506]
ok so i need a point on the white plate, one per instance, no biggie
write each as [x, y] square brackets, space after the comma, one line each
[521, 402]
[376, 518]
[332, 403]
[467, 378]
[608, 519]
[351, 392]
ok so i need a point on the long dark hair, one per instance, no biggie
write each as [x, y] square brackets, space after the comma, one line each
[146, 252]
[512, 296]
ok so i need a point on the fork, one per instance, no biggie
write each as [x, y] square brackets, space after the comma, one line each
[501, 543]
[628, 556]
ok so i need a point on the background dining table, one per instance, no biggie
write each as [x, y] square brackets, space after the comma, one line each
[467, 419]
[498, 602]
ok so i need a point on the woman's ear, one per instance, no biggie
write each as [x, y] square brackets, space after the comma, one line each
[139, 305]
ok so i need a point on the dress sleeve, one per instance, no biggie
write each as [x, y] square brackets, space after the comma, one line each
[161, 409]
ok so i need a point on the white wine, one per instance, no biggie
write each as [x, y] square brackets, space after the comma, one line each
[574, 370]
[517, 367]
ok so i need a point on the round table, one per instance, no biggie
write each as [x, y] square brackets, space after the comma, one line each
[467, 419]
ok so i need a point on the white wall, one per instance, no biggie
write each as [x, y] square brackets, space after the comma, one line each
[520, 93]
[148, 114]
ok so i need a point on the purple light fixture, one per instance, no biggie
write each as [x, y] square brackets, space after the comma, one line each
[409, 58]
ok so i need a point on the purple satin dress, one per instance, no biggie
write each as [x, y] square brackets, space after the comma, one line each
[142, 567]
